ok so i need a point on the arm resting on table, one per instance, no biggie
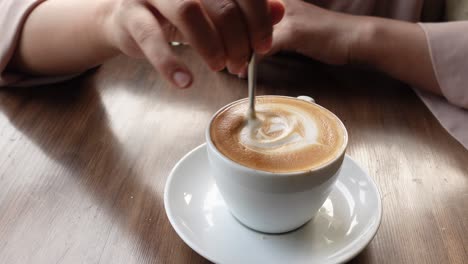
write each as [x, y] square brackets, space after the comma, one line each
[431, 57]
[60, 38]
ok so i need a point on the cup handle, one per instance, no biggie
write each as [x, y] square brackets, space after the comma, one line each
[306, 98]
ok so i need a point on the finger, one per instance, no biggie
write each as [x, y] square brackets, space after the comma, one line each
[243, 74]
[189, 17]
[277, 10]
[228, 20]
[259, 23]
[277, 44]
[171, 33]
[146, 32]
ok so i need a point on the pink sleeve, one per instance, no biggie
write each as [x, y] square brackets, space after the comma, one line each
[13, 13]
[454, 119]
[448, 44]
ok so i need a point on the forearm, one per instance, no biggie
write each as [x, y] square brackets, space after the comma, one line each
[63, 37]
[397, 48]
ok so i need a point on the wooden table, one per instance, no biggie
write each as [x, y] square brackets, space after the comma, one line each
[83, 163]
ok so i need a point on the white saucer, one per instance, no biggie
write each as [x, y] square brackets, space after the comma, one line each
[343, 227]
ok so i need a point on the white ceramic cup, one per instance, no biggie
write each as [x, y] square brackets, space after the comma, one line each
[272, 202]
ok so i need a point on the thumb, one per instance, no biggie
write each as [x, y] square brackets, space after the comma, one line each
[277, 10]
[277, 46]
[280, 40]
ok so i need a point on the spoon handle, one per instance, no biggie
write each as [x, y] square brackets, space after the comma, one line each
[252, 85]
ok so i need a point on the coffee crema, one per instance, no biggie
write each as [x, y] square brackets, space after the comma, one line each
[288, 135]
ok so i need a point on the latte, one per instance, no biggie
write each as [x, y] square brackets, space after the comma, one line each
[288, 135]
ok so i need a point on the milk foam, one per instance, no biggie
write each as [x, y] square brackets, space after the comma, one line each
[287, 130]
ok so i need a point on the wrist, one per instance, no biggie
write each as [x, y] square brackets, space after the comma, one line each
[105, 26]
[335, 38]
[398, 49]
[360, 48]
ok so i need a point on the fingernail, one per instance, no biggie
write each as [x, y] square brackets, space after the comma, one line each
[219, 66]
[230, 70]
[245, 67]
[265, 45]
[182, 79]
[243, 72]
[242, 75]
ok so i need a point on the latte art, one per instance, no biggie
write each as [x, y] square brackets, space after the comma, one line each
[288, 130]
[288, 135]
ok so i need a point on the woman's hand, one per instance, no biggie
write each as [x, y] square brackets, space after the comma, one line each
[223, 32]
[396, 48]
[317, 33]
[83, 34]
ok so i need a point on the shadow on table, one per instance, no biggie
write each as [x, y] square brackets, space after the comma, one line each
[92, 154]
[369, 103]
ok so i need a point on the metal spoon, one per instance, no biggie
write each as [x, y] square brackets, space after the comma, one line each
[252, 86]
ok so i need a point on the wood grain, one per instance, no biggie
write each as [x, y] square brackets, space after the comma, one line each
[83, 163]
